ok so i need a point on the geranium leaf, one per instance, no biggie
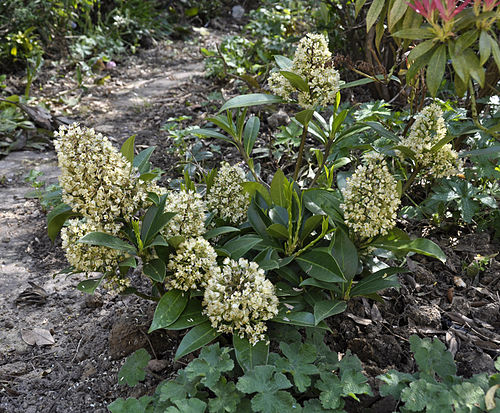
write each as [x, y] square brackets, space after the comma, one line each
[133, 370]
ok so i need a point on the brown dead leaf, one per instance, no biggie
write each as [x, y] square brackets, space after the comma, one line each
[359, 320]
[449, 294]
[37, 336]
[452, 343]
[459, 282]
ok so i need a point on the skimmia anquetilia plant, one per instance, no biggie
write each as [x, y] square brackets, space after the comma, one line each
[230, 255]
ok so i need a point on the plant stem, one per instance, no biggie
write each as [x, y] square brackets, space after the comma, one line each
[325, 156]
[410, 180]
[474, 113]
[301, 151]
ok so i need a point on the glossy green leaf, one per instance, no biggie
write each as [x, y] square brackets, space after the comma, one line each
[358, 6]
[250, 133]
[327, 308]
[154, 220]
[420, 246]
[495, 51]
[190, 317]
[373, 13]
[127, 149]
[250, 355]
[299, 318]
[277, 190]
[168, 309]
[377, 127]
[237, 247]
[421, 49]
[355, 83]
[56, 219]
[155, 269]
[295, 80]
[435, 69]
[213, 233]
[283, 62]
[107, 240]
[414, 34]
[320, 265]
[278, 231]
[141, 161]
[305, 116]
[253, 99]
[210, 133]
[377, 281]
[345, 254]
[396, 13]
[310, 225]
[255, 187]
[89, 286]
[197, 337]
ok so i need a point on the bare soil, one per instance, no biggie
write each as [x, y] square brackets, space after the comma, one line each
[93, 334]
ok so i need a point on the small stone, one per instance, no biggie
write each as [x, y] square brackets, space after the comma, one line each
[157, 365]
[425, 315]
[8, 324]
[237, 12]
[93, 301]
[278, 119]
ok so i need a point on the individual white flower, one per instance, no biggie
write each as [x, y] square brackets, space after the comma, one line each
[96, 179]
[189, 219]
[85, 257]
[313, 62]
[371, 198]
[194, 262]
[238, 299]
[427, 130]
[226, 197]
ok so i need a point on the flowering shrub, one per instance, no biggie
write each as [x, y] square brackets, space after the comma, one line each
[193, 265]
[226, 197]
[428, 132]
[239, 298]
[371, 198]
[311, 74]
[228, 256]
[189, 218]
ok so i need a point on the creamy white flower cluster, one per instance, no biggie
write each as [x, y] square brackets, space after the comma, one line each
[84, 257]
[192, 265]
[313, 62]
[371, 198]
[226, 197]
[96, 179]
[427, 130]
[238, 299]
[189, 220]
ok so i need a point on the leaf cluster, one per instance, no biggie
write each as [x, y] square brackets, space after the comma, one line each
[435, 387]
[303, 377]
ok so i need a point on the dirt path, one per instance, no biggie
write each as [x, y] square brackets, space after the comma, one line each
[78, 372]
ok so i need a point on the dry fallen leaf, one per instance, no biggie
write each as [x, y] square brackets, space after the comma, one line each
[459, 282]
[37, 336]
[359, 320]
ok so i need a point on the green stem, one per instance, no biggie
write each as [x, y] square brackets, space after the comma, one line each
[410, 180]
[474, 113]
[301, 151]
[323, 163]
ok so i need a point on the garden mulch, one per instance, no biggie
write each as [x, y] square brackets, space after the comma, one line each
[83, 340]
